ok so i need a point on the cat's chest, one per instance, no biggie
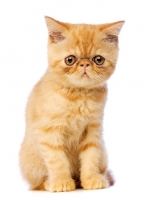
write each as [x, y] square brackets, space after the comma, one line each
[82, 105]
[81, 102]
[76, 109]
[82, 112]
[84, 108]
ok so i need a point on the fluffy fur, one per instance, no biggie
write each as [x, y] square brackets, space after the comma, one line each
[63, 146]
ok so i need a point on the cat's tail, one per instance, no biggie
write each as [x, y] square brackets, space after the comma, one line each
[110, 178]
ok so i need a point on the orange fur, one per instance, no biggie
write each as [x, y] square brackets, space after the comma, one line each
[63, 145]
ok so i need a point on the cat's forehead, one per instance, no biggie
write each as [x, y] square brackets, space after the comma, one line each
[83, 39]
[83, 33]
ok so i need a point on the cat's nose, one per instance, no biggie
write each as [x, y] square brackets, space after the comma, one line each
[84, 63]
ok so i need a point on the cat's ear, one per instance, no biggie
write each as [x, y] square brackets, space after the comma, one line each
[56, 30]
[112, 31]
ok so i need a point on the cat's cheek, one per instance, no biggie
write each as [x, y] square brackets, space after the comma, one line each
[67, 69]
[70, 69]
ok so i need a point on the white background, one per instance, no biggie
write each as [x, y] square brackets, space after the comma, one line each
[127, 121]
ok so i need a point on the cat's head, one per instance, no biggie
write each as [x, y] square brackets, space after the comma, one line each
[82, 55]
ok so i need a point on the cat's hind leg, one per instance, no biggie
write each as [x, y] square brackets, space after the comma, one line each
[32, 166]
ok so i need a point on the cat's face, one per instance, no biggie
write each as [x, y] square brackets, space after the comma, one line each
[82, 55]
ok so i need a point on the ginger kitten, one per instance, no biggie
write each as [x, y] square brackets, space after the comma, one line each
[63, 146]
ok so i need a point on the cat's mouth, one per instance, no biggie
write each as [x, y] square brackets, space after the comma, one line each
[85, 74]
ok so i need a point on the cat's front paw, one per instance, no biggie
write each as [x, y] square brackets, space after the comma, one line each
[95, 182]
[61, 186]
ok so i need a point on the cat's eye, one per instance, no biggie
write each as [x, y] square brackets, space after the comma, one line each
[99, 60]
[70, 60]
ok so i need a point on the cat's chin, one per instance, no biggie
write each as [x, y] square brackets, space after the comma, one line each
[85, 82]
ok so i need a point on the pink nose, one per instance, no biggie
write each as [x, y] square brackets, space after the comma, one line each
[84, 63]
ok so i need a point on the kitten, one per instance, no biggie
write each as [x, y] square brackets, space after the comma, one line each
[63, 146]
